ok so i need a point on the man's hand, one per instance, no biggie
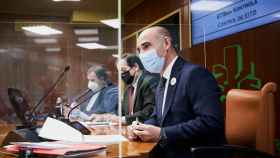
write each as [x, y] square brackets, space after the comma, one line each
[66, 111]
[130, 133]
[113, 118]
[147, 133]
[106, 117]
[98, 117]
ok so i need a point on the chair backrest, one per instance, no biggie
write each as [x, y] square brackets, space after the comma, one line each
[250, 118]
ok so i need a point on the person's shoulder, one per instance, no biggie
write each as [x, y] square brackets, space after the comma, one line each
[150, 77]
[111, 89]
[190, 68]
[188, 65]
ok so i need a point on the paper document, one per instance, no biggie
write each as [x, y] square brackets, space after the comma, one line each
[104, 139]
[57, 130]
[93, 124]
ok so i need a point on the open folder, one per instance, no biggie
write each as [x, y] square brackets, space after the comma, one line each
[57, 130]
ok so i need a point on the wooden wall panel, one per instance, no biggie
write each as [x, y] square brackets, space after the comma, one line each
[137, 18]
[260, 52]
[129, 45]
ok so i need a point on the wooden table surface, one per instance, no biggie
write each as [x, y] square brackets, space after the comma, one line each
[124, 149]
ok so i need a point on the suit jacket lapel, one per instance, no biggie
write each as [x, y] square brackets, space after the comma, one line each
[99, 99]
[175, 73]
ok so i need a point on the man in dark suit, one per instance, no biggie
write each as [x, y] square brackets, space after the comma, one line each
[188, 112]
[139, 96]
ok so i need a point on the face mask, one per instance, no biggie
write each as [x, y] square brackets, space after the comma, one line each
[127, 78]
[151, 61]
[93, 86]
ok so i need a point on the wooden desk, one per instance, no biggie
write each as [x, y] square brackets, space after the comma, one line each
[128, 149]
[125, 149]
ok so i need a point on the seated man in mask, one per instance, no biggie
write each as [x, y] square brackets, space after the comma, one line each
[101, 98]
[139, 96]
[188, 111]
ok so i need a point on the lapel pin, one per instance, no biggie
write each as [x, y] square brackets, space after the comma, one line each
[173, 81]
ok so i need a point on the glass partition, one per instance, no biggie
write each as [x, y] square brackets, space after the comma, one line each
[59, 63]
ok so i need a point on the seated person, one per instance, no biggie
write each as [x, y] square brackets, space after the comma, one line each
[102, 97]
[188, 112]
[139, 96]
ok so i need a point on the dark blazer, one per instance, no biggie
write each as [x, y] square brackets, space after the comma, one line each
[106, 102]
[193, 115]
[144, 101]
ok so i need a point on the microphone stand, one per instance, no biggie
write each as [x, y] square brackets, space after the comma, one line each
[82, 94]
[76, 124]
[48, 92]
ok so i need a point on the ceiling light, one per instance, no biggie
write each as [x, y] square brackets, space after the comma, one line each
[42, 30]
[58, 49]
[2, 50]
[86, 31]
[91, 45]
[45, 40]
[115, 23]
[206, 5]
[88, 39]
[30, 34]
[112, 47]
[66, 0]
[115, 55]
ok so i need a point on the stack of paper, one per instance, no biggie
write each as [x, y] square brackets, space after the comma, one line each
[56, 148]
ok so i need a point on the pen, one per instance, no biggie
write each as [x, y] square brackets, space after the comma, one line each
[137, 121]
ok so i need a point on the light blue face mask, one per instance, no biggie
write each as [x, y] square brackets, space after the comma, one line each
[151, 61]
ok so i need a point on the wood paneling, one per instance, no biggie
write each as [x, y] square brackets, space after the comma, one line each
[148, 12]
[260, 46]
[129, 45]
[136, 20]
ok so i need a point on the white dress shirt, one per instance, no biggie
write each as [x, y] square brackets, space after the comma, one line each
[92, 101]
[166, 74]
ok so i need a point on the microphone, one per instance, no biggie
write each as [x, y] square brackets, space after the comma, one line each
[76, 124]
[76, 106]
[59, 108]
[66, 69]
[82, 94]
